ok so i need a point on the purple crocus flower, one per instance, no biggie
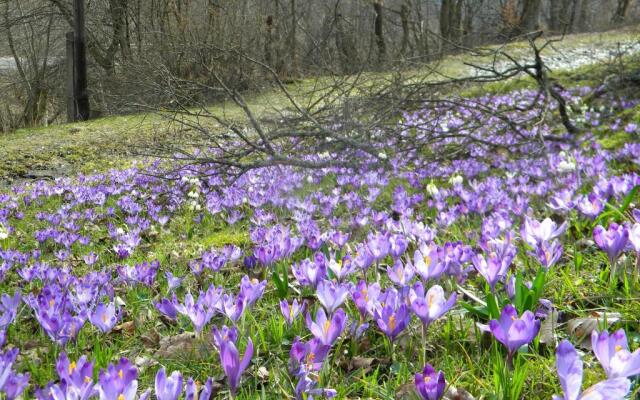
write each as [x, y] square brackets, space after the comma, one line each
[291, 311]
[342, 268]
[400, 274]
[118, 382]
[634, 237]
[172, 281]
[432, 305]
[513, 331]
[307, 388]
[15, 385]
[196, 311]
[11, 384]
[308, 357]
[548, 253]
[223, 335]
[309, 273]
[75, 374]
[327, 330]
[84, 392]
[168, 307]
[168, 388]
[493, 269]
[90, 258]
[591, 205]
[191, 390]
[392, 318]
[233, 306]
[105, 317]
[232, 366]
[251, 289]
[612, 240]
[428, 262]
[331, 295]
[569, 367]
[366, 296]
[535, 232]
[613, 353]
[430, 384]
[8, 308]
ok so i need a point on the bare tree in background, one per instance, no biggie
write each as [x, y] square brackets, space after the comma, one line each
[132, 42]
[341, 120]
[28, 27]
[622, 9]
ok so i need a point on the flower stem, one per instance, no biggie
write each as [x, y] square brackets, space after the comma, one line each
[424, 345]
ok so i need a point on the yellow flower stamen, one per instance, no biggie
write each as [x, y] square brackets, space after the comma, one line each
[120, 374]
[72, 367]
[392, 322]
[618, 348]
[327, 325]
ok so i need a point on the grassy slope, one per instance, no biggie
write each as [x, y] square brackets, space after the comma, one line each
[111, 142]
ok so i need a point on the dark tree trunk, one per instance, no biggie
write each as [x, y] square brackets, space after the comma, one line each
[621, 11]
[562, 13]
[379, 31]
[348, 53]
[451, 21]
[80, 91]
[405, 10]
[530, 17]
[293, 44]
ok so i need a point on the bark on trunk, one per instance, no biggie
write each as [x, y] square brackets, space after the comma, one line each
[379, 32]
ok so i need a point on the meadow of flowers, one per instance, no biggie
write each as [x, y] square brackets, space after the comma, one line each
[501, 275]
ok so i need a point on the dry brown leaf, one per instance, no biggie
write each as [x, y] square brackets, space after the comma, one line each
[184, 345]
[151, 339]
[548, 328]
[581, 328]
[126, 328]
[457, 394]
[407, 392]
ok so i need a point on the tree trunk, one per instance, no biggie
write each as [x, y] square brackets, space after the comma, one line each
[621, 11]
[80, 91]
[348, 53]
[585, 15]
[467, 22]
[451, 20]
[293, 44]
[379, 32]
[405, 10]
[445, 19]
[530, 17]
[562, 13]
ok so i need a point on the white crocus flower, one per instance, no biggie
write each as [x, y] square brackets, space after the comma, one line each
[432, 189]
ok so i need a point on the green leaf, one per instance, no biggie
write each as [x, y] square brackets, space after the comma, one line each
[492, 306]
[628, 198]
[481, 312]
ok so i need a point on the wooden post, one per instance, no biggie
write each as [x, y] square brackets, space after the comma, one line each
[80, 94]
[71, 101]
